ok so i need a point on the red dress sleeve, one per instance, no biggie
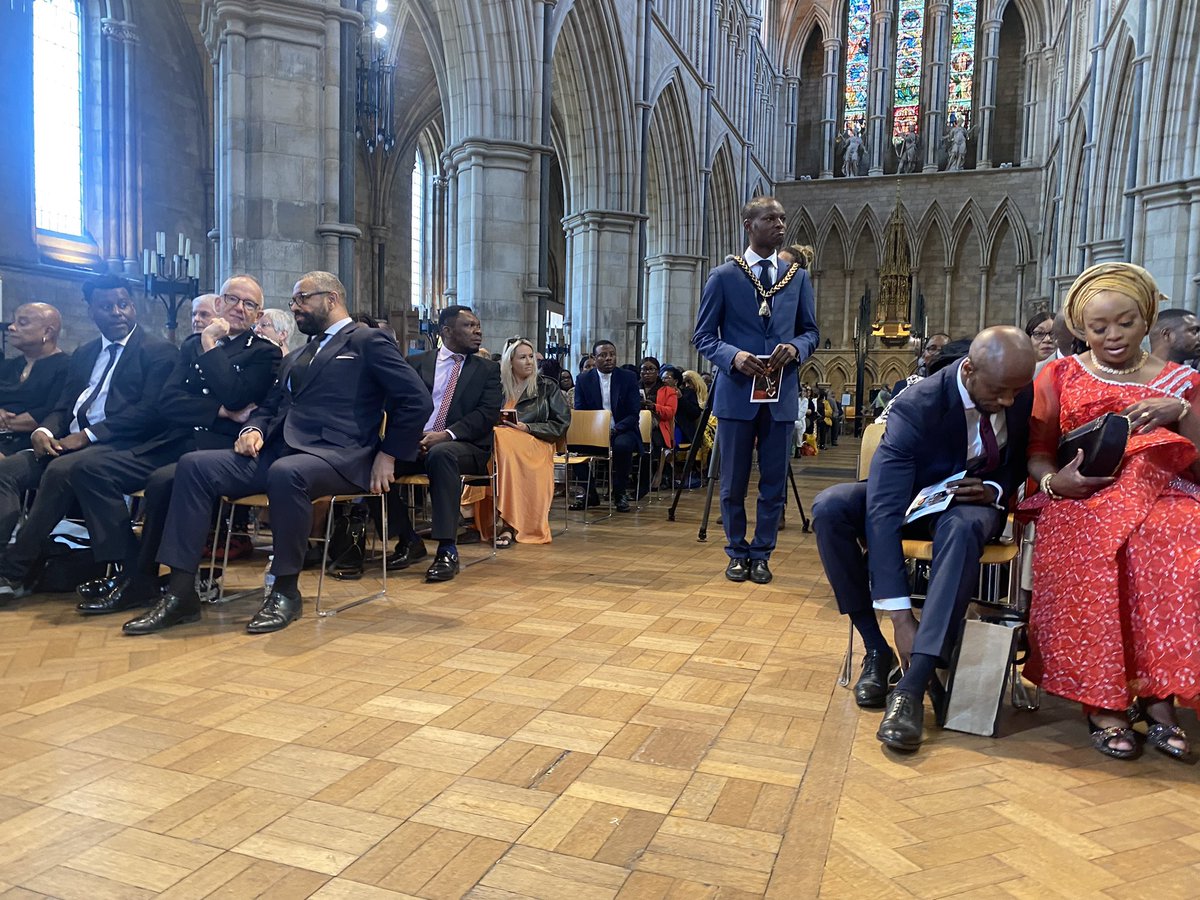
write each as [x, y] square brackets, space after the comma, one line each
[1044, 432]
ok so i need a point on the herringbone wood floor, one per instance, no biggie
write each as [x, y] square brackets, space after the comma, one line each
[603, 717]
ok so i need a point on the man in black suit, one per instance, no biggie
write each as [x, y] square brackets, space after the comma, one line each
[457, 439]
[316, 434]
[606, 387]
[223, 372]
[110, 402]
[972, 416]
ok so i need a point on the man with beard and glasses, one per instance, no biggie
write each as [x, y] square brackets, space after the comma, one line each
[316, 434]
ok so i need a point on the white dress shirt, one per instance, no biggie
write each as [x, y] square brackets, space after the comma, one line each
[605, 390]
[441, 374]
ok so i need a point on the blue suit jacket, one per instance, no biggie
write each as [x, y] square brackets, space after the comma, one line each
[729, 322]
[925, 441]
[624, 396]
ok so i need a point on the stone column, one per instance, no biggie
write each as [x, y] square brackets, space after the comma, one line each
[829, 81]
[983, 295]
[495, 191]
[937, 78]
[849, 310]
[1019, 312]
[1029, 129]
[948, 294]
[602, 268]
[987, 91]
[883, 54]
[672, 300]
[278, 139]
[121, 191]
[790, 93]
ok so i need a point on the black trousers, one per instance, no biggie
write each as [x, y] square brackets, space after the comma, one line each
[444, 465]
[290, 479]
[97, 476]
[839, 518]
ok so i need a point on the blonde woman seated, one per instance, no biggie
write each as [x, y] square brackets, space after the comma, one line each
[524, 447]
[1115, 616]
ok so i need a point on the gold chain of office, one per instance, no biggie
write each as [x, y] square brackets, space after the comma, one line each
[776, 287]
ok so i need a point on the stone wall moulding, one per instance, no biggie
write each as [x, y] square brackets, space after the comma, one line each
[118, 31]
[294, 21]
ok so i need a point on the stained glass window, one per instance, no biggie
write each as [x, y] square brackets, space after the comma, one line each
[962, 60]
[57, 117]
[417, 246]
[858, 69]
[910, 32]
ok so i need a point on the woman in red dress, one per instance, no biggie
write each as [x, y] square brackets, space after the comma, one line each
[1115, 616]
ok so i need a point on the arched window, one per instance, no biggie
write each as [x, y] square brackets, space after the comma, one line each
[58, 117]
[962, 60]
[858, 67]
[417, 249]
[910, 34]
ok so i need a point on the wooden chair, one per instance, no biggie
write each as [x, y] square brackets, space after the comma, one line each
[260, 501]
[588, 441]
[488, 481]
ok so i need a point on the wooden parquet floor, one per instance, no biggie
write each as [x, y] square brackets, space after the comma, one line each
[603, 717]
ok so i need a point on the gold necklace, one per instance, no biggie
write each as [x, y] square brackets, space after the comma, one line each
[1108, 370]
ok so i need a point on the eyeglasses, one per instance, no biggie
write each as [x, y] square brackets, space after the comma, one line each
[304, 296]
[1039, 336]
[249, 306]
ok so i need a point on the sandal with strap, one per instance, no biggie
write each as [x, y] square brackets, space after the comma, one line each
[505, 539]
[1160, 734]
[1102, 740]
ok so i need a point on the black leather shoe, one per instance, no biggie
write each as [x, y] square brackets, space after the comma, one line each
[121, 599]
[406, 556]
[738, 569]
[100, 587]
[760, 572]
[445, 566]
[278, 612]
[621, 503]
[170, 611]
[870, 691]
[901, 725]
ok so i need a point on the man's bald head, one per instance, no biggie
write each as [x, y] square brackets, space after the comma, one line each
[999, 366]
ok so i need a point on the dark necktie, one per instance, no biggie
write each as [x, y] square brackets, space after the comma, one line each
[765, 277]
[113, 350]
[991, 449]
[303, 361]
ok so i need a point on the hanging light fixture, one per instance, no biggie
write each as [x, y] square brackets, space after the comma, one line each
[375, 101]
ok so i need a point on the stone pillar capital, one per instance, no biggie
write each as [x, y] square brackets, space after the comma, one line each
[119, 32]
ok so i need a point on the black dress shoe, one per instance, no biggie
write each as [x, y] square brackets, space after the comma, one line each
[901, 725]
[124, 597]
[870, 691]
[406, 556]
[445, 566]
[278, 611]
[100, 587]
[170, 611]
[621, 503]
[738, 570]
[760, 572]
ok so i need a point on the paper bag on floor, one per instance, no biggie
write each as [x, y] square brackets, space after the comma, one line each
[979, 678]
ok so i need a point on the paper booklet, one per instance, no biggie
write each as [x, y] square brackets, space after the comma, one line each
[933, 499]
[765, 388]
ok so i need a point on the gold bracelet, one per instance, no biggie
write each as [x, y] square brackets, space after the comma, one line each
[1044, 484]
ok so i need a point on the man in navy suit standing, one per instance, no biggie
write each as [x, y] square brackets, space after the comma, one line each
[606, 387]
[751, 309]
[973, 417]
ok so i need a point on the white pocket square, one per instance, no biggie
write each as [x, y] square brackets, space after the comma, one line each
[346, 356]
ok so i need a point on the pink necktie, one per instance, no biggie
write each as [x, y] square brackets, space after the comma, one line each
[439, 424]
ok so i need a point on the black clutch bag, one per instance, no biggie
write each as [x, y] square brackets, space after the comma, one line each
[1102, 441]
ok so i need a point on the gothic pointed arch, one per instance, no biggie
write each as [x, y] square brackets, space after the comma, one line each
[724, 229]
[1007, 215]
[831, 235]
[1114, 144]
[800, 228]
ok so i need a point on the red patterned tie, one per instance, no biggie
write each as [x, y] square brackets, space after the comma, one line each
[439, 424]
[991, 448]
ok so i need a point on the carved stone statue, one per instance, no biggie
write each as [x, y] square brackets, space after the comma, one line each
[853, 155]
[956, 146]
[908, 149]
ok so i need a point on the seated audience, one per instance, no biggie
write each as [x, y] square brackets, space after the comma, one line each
[316, 434]
[662, 402]
[30, 383]
[971, 417]
[222, 374]
[109, 401]
[587, 361]
[933, 346]
[277, 326]
[950, 354]
[1175, 336]
[524, 447]
[456, 439]
[1115, 615]
[607, 387]
[204, 310]
[689, 408]
[567, 385]
[1040, 329]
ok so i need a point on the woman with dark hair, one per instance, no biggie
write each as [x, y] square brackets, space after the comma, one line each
[1115, 616]
[663, 403]
[567, 385]
[1040, 329]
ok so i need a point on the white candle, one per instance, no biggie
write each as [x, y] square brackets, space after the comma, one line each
[180, 253]
[187, 247]
[196, 264]
[146, 262]
[160, 243]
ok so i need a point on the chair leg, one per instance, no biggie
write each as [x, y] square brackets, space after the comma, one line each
[847, 661]
[324, 613]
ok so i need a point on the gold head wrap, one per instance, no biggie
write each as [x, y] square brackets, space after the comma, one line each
[1125, 278]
